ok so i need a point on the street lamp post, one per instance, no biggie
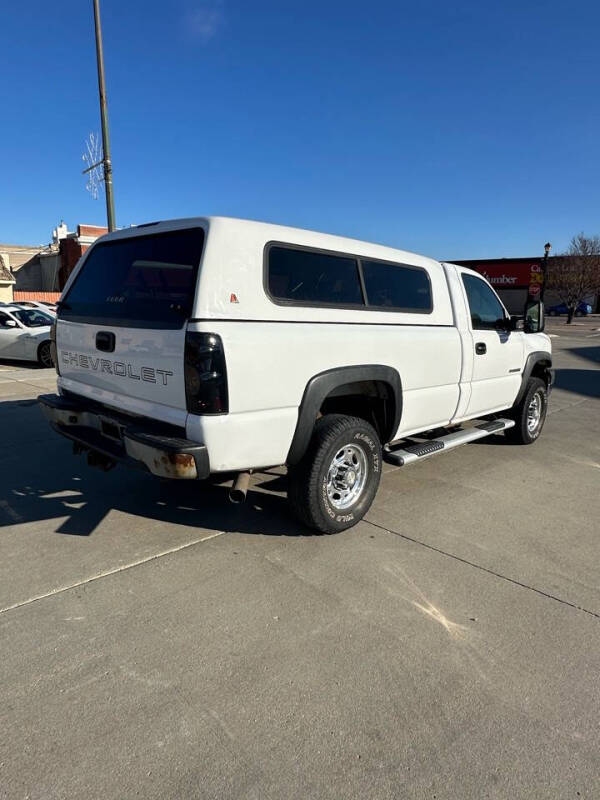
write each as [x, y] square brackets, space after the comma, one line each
[547, 248]
[108, 184]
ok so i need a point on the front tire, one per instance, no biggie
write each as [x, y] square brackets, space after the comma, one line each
[333, 486]
[530, 414]
[45, 355]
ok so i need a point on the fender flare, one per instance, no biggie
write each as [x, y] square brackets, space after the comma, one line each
[537, 357]
[322, 384]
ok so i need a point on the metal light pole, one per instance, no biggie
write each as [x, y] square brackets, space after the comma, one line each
[547, 248]
[108, 185]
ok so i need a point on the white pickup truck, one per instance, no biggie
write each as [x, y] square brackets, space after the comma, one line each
[216, 345]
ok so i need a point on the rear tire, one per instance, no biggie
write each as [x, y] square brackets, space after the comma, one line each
[530, 413]
[45, 355]
[333, 486]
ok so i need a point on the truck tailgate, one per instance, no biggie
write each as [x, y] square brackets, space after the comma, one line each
[131, 362]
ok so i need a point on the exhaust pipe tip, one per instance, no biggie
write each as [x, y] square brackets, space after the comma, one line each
[237, 497]
[239, 490]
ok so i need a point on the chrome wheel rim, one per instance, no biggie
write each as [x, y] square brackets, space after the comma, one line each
[534, 412]
[346, 476]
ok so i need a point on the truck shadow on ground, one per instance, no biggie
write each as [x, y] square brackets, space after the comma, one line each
[585, 382]
[43, 480]
[589, 353]
[85, 498]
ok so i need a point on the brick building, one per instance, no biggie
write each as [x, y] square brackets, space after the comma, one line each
[73, 246]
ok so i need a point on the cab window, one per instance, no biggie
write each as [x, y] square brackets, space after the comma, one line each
[484, 306]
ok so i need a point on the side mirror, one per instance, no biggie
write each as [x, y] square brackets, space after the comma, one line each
[10, 323]
[534, 317]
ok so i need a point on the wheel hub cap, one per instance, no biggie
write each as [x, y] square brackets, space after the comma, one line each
[534, 412]
[346, 476]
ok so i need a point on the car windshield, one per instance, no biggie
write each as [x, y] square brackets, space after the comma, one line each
[31, 318]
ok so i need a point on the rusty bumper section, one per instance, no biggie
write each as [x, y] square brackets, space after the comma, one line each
[99, 433]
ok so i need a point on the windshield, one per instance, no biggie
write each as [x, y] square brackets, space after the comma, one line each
[32, 319]
[142, 281]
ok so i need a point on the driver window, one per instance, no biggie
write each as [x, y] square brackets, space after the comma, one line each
[484, 306]
[4, 319]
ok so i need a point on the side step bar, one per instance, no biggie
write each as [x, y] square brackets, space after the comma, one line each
[415, 452]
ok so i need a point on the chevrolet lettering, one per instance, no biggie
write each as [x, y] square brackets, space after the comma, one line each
[118, 368]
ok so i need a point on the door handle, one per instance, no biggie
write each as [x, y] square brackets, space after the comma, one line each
[105, 341]
[480, 348]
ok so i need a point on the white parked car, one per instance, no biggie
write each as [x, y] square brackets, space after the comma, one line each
[25, 334]
[214, 345]
[48, 308]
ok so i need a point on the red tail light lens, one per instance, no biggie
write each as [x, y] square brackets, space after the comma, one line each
[205, 374]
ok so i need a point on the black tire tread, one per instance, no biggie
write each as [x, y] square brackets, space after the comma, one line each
[519, 433]
[303, 478]
[44, 344]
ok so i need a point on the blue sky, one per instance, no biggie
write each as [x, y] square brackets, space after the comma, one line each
[459, 130]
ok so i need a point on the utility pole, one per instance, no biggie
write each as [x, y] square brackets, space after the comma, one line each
[108, 185]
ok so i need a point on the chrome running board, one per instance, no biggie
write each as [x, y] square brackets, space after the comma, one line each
[401, 456]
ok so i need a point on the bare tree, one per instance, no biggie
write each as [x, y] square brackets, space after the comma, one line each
[575, 275]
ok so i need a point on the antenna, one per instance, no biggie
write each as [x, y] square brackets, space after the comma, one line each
[94, 159]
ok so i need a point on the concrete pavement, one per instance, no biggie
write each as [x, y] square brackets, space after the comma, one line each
[159, 642]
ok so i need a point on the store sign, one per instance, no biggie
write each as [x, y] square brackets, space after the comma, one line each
[511, 276]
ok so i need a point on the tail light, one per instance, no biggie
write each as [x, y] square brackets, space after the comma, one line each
[53, 351]
[205, 374]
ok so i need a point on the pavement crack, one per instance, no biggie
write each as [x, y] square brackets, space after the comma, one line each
[514, 581]
[106, 573]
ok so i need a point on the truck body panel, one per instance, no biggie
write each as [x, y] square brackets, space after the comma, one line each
[208, 277]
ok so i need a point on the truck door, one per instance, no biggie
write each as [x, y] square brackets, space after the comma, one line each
[497, 354]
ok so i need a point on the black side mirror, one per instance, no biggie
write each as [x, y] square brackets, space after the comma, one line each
[534, 317]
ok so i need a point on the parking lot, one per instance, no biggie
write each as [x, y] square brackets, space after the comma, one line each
[159, 642]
